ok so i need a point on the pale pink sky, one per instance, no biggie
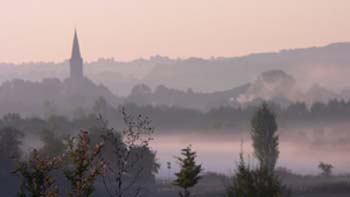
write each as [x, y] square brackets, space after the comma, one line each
[42, 30]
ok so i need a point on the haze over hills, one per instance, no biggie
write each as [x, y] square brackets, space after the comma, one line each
[181, 98]
[309, 66]
[307, 75]
[275, 86]
[119, 77]
[52, 96]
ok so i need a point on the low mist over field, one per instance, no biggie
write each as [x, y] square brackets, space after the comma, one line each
[176, 98]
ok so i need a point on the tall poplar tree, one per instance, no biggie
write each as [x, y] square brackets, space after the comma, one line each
[265, 138]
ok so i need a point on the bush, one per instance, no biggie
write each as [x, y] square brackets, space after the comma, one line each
[36, 176]
[254, 182]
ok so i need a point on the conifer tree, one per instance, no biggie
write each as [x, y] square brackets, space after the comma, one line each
[189, 174]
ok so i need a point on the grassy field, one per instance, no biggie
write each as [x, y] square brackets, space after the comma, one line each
[213, 185]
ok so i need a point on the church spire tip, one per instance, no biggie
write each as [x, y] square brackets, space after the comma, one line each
[76, 48]
[76, 62]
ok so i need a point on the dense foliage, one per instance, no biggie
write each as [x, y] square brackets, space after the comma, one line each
[253, 182]
[85, 157]
[36, 175]
[259, 181]
[84, 165]
[123, 155]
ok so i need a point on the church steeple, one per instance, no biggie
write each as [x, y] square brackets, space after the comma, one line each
[76, 61]
[76, 48]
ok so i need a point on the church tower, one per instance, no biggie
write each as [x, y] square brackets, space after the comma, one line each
[76, 61]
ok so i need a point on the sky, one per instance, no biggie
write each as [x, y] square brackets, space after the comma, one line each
[42, 30]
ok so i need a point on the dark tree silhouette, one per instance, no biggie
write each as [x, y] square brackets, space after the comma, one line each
[189, 174]
[265, 138]
[36, 175]
[10, 141]
[326, 169]
[131, 163]
[260, 181]
[254, 182]
[84, 165]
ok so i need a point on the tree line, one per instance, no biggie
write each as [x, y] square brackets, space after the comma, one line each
[107, 162]
[226, 117]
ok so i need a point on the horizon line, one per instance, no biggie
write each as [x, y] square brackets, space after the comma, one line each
[178, 58]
